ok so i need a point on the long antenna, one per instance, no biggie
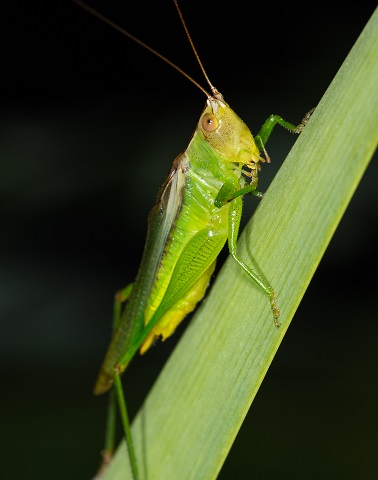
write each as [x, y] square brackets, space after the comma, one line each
[213, 89]
[147, 47]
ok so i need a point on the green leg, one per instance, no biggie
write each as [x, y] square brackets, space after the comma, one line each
[262, 283]
[109, 445]
[228, 193]
[120, 298]
[110, 431]
[126, 426]
[262, 137]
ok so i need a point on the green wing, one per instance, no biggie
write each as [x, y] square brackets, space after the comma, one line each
[161, 222]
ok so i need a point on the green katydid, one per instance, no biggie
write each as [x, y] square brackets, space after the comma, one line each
[197, 211]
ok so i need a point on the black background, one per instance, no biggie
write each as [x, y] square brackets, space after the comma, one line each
[90, 124]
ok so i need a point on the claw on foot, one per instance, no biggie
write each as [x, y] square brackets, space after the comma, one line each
[275, 309]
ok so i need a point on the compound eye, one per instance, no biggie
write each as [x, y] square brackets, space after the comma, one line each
[209, 122]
